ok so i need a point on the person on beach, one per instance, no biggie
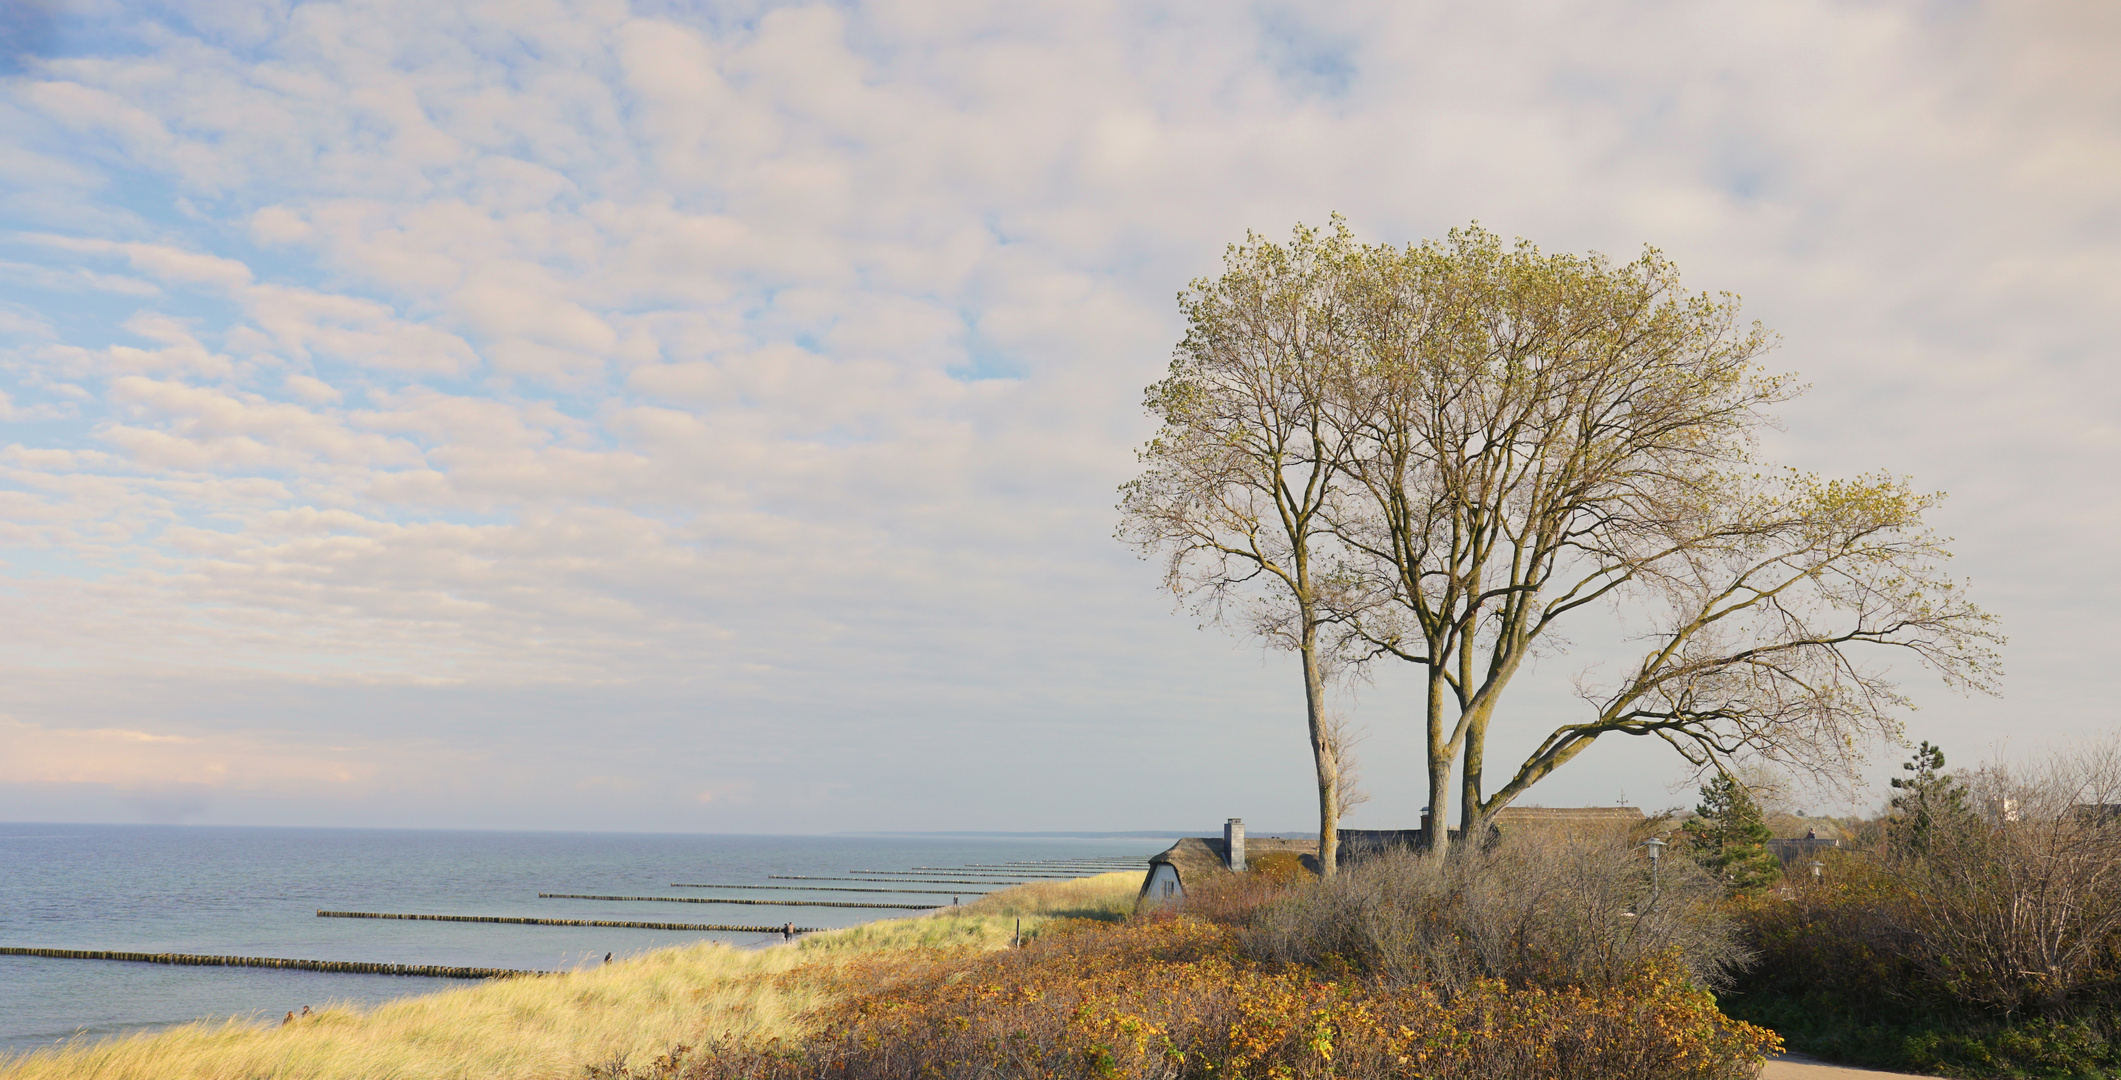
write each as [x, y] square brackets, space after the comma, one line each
[788, 932]
[305, 1012]
[290, 1018]
[607, 958]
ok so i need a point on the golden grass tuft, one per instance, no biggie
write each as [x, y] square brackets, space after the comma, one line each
[990, 921]
[551, 1027]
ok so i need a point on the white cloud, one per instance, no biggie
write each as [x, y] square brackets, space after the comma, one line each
[312, 391]
[171, 265]
[32, 754]
[780, 369]
[318, 325]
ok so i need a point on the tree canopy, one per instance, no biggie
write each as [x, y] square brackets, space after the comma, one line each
[1728, 836]
[1929, 802]
[1493, 444]
[1236, 486]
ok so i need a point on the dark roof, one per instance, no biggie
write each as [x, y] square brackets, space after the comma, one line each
[1196, 858]
[1568, 815]
[1807, 848]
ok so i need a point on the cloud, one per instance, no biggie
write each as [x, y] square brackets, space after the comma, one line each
[156, 763]
[774, 374]
[171, 265]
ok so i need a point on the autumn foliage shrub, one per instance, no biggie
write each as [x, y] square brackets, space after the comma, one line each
[1175, 997]
[1535, 911]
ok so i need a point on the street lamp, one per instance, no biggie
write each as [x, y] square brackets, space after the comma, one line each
[1816, 866]
[1656, 848]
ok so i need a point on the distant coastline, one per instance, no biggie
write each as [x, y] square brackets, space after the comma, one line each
[1136, 834]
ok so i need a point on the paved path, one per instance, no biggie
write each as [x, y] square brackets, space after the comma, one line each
[1799, 1067]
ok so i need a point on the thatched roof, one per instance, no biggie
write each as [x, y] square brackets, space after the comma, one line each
[1359, 844]
[1197, 858]
[1569, 817]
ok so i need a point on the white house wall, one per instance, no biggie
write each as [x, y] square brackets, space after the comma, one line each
[1163, 884]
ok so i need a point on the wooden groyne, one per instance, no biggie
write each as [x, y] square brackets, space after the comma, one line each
[720, 927]
[1102, 867]
[980, 875]
[344, 967]
[819, 888]
[898, 880]
[974, 873]
[1060, 864]
[733, 900]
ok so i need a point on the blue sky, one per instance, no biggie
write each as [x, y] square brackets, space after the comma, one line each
[707, 417]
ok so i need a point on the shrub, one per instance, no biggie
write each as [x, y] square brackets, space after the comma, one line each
[2018, 910]
[1980, 939]
[1174, 997]
[1544, 911]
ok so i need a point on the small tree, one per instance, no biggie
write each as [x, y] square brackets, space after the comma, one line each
[1930, 802]
[1728, 837]
[1237, 482]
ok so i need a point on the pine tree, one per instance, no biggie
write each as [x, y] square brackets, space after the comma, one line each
[1930, 802]
[1728, 836]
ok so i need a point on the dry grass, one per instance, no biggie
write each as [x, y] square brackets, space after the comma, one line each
[990, 921]
[514, 1027]
[1539, 909]
[554, 1026]
[1105, 897]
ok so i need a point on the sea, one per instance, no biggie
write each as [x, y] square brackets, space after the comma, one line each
[256, 892]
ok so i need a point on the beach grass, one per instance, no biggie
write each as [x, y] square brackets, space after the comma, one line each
[553, 1026]
[991, 921]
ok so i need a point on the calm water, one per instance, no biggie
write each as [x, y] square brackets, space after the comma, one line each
[255, 892]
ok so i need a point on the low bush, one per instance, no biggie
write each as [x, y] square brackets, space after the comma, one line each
[1174, 997]
[1979, 935]
[1534, 911]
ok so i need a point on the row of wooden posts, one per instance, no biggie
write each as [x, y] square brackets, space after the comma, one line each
[350, 967]
[725, 900]
[791, 928]
[439, 971]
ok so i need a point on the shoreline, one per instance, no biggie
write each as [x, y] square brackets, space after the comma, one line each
[646, 1002]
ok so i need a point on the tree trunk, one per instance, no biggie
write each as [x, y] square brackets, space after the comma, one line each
[1323, 751]
[1436, 836]
[1473, 824]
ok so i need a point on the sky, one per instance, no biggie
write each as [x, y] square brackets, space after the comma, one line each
[707, 417]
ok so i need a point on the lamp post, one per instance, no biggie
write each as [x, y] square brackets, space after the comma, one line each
[1816, 866]
[1656, 848]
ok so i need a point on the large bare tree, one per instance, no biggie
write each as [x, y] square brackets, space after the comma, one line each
[1237, 483]
[1535, 440]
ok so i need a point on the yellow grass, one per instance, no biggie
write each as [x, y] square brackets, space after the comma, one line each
[990, 922]
[550, 1027]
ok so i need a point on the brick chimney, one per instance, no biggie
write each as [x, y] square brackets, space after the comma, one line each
[1234, 842]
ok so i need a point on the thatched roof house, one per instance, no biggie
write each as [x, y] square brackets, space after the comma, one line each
[1195, 859]
[1569, 819]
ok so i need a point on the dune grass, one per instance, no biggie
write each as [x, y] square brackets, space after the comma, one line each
[554, 1026]
[990, 922]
